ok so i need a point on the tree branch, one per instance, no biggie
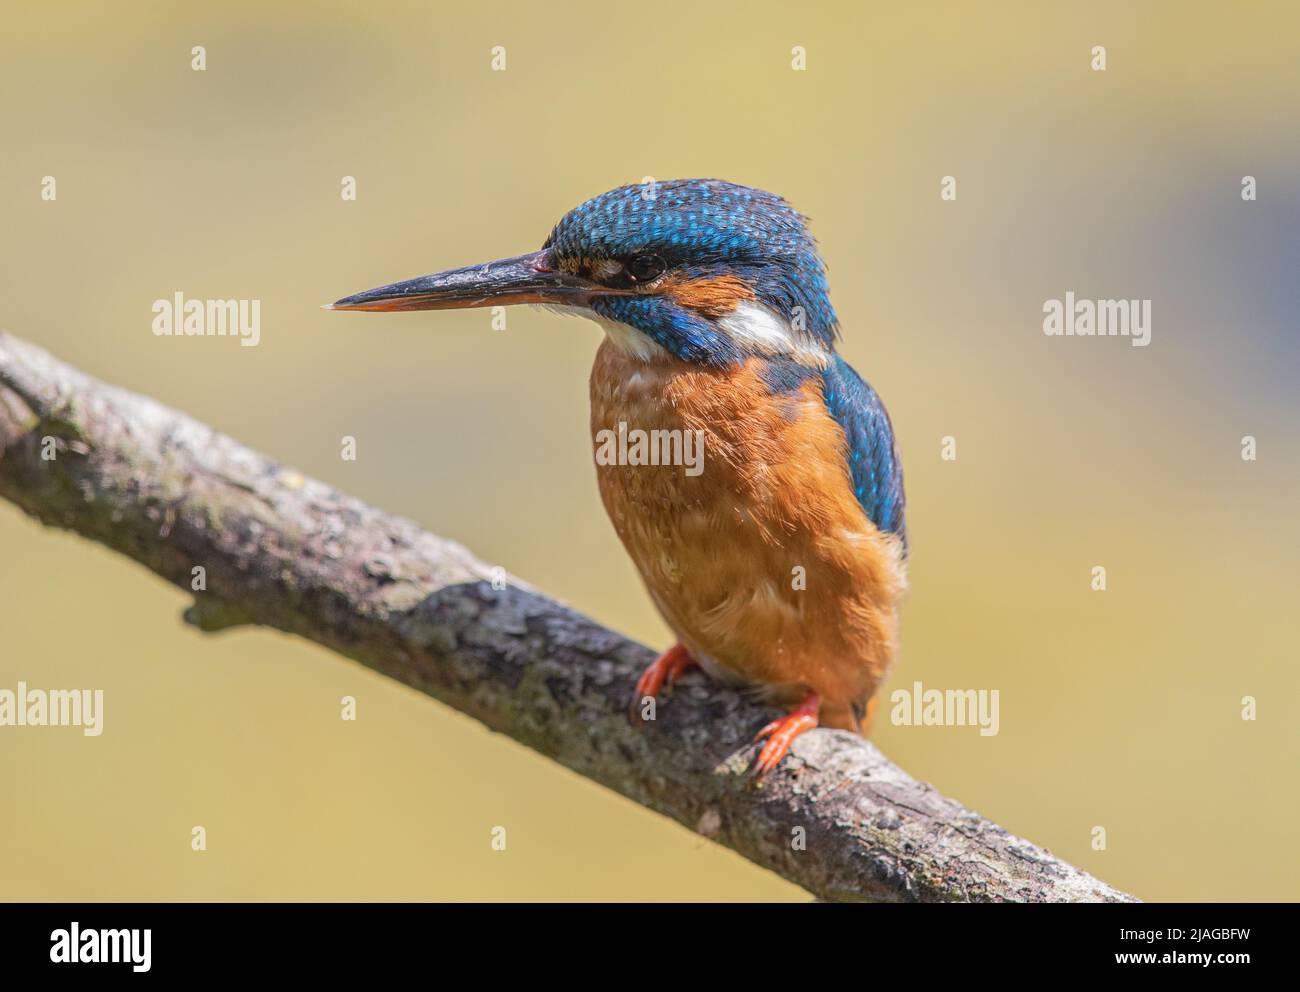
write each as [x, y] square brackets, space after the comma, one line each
[280, 549]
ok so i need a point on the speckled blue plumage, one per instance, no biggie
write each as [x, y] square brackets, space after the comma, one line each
[873, 457]
[709, 227]
[679, 331]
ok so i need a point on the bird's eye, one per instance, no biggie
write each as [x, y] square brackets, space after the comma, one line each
[643, 268]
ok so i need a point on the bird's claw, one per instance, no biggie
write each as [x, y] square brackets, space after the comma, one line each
[663, 671]
[780, 734]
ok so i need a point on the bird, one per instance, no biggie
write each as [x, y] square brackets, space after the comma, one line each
[779, 562]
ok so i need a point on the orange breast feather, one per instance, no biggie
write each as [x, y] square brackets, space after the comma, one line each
[759, 558]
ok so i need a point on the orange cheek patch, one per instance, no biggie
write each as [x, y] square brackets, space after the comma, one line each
[714, 297]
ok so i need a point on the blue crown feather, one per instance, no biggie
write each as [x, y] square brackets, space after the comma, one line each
[708, 227]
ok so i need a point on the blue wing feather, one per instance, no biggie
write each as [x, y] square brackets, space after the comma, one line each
[874, 464]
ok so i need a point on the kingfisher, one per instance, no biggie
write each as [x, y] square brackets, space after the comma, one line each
[779, 562]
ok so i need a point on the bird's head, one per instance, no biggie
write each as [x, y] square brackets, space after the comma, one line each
[700, 269]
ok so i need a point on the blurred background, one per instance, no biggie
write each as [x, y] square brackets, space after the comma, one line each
[1119, 709]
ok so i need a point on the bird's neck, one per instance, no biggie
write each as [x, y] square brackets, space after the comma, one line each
[750, 329]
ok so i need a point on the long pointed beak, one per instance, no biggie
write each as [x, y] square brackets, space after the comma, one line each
[523, 279]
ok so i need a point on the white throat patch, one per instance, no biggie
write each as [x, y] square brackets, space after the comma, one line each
[758, 328]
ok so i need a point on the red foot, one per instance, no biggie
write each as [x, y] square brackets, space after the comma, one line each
[783, 732]
[664, 671]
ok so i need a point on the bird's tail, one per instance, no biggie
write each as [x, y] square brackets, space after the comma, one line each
[862, 715]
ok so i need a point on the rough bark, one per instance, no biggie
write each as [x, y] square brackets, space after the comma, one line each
[289, 552]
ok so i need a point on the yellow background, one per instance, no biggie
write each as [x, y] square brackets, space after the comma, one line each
[1118, 709]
